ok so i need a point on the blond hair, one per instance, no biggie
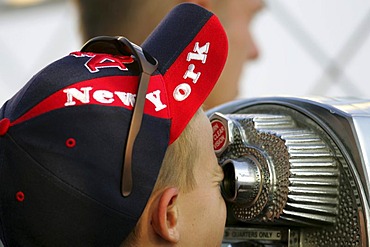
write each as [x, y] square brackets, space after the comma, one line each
[178, 163]
[177, 168]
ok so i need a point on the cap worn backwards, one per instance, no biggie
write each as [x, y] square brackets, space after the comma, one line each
[63, 135]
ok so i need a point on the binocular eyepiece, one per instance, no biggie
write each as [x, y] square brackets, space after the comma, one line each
[243, 181]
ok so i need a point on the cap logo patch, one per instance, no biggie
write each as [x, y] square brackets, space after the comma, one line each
[99, 61]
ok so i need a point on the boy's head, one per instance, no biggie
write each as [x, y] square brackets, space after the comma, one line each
[186, 206]
[65, 136]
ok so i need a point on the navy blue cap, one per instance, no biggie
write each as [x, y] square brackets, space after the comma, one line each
[63, 135]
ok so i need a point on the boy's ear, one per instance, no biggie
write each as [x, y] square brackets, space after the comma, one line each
[204, 3]
[165, 216]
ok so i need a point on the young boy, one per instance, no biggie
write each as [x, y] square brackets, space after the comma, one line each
[108, 145]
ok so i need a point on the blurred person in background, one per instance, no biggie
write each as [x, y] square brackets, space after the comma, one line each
[136, 19]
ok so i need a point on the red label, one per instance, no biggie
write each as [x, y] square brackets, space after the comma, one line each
[219, 135]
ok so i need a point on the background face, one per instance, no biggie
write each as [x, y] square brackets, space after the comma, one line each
[305, 47]
[237, 17]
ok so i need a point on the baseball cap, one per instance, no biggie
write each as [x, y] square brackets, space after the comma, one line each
[64, 135]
